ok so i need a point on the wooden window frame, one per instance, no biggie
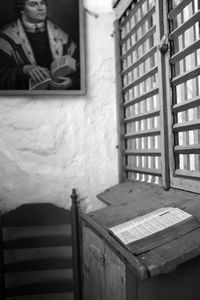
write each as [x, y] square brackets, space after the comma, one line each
[170, 178]
[178, 179]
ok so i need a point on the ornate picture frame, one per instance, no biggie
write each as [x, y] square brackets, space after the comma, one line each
[59, 35]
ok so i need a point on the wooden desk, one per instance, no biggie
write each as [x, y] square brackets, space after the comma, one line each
[168, 272]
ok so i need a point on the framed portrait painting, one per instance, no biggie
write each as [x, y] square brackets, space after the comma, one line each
[42, 47]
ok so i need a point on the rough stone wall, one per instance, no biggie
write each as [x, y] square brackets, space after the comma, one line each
[49, 145]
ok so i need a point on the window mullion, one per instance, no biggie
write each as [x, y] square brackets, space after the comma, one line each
[185, 81]
[141, 90]
[163, 56]
[120, 109]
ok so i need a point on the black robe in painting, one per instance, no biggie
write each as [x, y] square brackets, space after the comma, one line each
[16, 52]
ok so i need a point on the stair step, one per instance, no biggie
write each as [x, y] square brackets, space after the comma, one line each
[60, 296]
[38, 277]
[41, 288]
[37, 252]
[39, 264]
[43, 241]
[12, 256]
[19, 232]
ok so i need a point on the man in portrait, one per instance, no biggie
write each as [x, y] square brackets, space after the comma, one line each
[35, 53]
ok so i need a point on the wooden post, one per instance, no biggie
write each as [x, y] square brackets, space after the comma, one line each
[120, 125]
[2, 276]
[163, 59]
[76, 247]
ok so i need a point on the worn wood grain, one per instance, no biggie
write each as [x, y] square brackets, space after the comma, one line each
[130, 200]
[121, 251]
[164, 236]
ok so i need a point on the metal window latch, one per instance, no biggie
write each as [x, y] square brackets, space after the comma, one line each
[163, 45]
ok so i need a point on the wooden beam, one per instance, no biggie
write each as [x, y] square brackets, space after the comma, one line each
[146, 115]
[187, 149]
[182, 54]
[174, 12]
[142, 97]
[150, 132]
[138, 24]
[194, 102]
[195, 18]
[2, 270]
[186, 76]
[144, 152]
[138, 43]
[140, 60]
[188, 174]
[122, 6]
[186, 126]
[119, 99]
[162, 30]
[154, 172]
[140, 79]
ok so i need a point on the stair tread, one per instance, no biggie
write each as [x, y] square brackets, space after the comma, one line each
[38, 254]
[16, 255]
[52, 296]
[38, 277]
[43, 241]
[39, 264]
[17, 232]
[41, 288]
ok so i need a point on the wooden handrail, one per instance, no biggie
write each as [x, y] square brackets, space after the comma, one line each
[76, 246]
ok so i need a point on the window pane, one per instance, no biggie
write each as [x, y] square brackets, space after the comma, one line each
[185, 66]
[141, 101]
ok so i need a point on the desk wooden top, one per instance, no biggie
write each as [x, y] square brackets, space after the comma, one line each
[129, 200]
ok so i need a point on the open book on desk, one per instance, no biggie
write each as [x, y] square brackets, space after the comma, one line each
[60, 69]
[149, 224]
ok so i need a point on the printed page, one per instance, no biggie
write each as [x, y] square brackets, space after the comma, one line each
[129, 224]
[149, 224]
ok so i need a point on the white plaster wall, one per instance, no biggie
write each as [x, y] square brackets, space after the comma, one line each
[99, 5]
[50, 145]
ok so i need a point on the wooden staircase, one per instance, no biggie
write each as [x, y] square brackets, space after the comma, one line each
[39, 258]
